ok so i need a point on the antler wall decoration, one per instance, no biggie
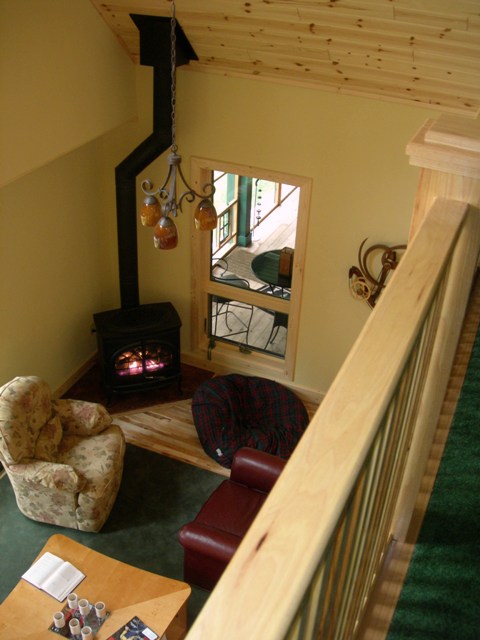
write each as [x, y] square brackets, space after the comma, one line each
[363, 285]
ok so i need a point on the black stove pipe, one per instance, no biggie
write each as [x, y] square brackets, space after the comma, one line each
[125, 186]
[155, 52]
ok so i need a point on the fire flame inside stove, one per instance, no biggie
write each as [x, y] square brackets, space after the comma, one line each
[134, 363]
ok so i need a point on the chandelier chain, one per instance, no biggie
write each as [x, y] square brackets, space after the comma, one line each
[159, 215]
[173, 41]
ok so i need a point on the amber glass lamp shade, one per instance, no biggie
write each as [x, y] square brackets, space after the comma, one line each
[205, 216]
[150, 213]
[165, 234]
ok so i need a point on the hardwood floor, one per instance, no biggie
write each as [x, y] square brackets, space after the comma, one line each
[390, 583]
[168, 429]
[90, 388]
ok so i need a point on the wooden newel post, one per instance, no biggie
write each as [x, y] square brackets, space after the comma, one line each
[448, 151]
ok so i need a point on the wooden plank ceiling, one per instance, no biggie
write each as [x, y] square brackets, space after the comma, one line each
[411, 51]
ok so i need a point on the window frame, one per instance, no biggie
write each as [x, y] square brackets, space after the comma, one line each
[229, 356]
[231, 209]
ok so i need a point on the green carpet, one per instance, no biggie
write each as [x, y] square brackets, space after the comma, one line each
[157, 496]
[440, 599]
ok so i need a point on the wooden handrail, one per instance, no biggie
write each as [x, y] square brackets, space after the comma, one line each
[297, 572]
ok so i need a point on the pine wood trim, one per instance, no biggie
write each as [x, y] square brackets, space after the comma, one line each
[224, 355]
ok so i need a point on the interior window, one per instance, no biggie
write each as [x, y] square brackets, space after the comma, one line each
[252, 248]
[248, 282]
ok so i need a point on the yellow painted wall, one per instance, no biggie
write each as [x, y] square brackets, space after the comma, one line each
[64, 81]
[58, 254]
[54, 267]
[352, 148]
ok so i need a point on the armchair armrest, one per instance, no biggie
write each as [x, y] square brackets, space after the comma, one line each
[256, 469]
[50, 475]
[201, 539]
[80, 418]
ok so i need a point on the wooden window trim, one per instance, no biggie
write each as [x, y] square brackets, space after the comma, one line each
[227, 356]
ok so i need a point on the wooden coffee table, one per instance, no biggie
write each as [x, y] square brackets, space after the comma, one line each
[159, 602]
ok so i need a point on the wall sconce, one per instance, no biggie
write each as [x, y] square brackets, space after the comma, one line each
[363, 285]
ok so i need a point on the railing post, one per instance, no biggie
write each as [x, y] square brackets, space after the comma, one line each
[448, 152]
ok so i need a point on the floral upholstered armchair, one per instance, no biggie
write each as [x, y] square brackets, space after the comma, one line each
[64, 458]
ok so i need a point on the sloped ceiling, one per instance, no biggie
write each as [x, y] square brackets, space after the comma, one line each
[412, 51]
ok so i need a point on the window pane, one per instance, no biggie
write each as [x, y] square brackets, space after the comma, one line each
[264, 197]
[224, 226]
[262, 272]
[260, 261]
[256, 328]
[254, 239]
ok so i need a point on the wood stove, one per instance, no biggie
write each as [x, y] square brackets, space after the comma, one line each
[138, 348]
[139, 344]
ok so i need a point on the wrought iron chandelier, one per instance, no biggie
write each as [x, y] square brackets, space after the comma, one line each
[158, 211]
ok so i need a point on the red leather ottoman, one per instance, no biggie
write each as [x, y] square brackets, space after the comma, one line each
[212, 538]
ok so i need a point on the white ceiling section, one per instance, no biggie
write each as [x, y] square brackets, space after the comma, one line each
[425, 52]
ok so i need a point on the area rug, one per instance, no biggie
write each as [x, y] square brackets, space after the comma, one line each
[440, 595]
[239, 262]
[157, 496]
